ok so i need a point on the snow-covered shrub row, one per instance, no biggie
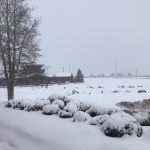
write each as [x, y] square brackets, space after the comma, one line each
[27, 105]
[121, 123]
[112, 122]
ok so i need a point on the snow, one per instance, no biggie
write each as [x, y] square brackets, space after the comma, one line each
[67, 74]
[107, 98]
[21, 130]
[35, 131]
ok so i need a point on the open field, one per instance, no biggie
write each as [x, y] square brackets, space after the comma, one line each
[105, 91]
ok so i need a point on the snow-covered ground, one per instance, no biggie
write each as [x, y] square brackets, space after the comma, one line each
[98, 91]
[21, 130]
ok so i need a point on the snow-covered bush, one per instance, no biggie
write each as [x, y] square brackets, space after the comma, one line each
[98, 110]
[54, 97]
[29, 106]
[121, 123]
[81, 116]
[142, 91]
[50, 109]
[60, 103]
[98, 120]
[83, 106]
[64, 114]
[65, 99]
[9, 104]
[71, 107]
[15, 104]
[143, 118]
[40, 103]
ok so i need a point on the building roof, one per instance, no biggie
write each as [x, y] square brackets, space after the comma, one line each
[61, 75]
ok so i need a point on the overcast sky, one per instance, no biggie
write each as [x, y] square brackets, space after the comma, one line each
[92, 34]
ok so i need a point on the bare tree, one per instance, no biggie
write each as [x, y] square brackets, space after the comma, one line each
[18, 39]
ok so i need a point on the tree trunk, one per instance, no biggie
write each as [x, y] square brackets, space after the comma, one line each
[10, 90]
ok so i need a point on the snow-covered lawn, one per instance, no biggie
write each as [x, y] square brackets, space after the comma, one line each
[105, 91]
[21, 130]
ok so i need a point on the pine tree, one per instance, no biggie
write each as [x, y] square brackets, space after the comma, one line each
[79, 76]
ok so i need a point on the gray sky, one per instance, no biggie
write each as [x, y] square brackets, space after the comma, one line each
[92, 34]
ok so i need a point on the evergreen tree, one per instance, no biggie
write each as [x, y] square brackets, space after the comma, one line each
[79, 76]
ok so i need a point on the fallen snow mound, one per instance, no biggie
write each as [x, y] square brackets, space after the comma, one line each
[121, 123]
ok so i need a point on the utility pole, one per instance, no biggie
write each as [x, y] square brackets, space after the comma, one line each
[136, 73]
[116, 68]
[63, 69]
[69, 67]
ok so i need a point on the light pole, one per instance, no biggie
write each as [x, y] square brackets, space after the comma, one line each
[63, 69]
[116, 71]
[69, 67]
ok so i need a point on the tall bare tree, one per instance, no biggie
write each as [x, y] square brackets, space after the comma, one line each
[18, 39]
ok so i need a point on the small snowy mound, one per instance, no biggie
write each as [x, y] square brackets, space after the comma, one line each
[99, 120]
[50, 109]
[71, 107]
[60, 103]
[64, 114]
[143, 118]
[98, 110]
[121, 123]
[81, 116]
